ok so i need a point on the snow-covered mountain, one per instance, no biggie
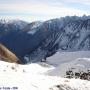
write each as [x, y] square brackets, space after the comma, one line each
[39, 40]
[9, 26]
[64, 34]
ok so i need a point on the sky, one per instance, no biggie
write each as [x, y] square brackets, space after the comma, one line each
[34, 10]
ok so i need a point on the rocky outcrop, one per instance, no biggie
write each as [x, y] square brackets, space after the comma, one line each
[7, 55]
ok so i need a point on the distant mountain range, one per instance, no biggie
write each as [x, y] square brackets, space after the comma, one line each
[39, 40]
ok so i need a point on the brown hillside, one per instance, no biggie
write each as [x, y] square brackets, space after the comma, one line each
[7, 55]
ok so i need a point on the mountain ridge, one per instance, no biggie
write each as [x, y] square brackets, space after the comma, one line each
[63, 34]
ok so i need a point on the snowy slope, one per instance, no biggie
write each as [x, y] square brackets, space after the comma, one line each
[32, 27]
[77, 65]
[64, 57]
[64, 61]
[45, 76]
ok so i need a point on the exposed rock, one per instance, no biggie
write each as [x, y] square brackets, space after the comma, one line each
[7, 55]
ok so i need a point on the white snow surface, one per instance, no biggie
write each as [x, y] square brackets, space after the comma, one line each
[64, 57]
[45, 76]
[33, 28]
[65, 61]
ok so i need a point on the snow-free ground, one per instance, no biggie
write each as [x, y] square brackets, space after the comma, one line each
[46, 76]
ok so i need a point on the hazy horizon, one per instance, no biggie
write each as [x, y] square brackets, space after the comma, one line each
[34, 10]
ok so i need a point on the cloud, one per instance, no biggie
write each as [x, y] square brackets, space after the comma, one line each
[40, 10]
[84, 2]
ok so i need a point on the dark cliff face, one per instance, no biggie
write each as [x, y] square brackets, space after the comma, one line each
[42, 39]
